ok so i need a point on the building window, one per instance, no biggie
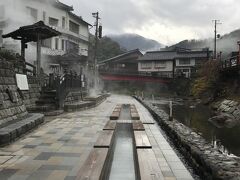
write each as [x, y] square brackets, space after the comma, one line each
[47, 43]
[146, 65]
[72, 47]
[56, 43]
[63, 44]
[73, 27]
[184, 62]
[33, 13]
[53, 22]
[63, 22]
[44, 16]
[160, 64]
[2, 11]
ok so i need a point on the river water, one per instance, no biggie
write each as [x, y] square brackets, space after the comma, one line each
[196, 117]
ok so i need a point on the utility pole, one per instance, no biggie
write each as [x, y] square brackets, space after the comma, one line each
[216, 22]
[96, 15]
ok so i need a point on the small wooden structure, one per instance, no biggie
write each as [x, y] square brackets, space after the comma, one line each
[33, 33]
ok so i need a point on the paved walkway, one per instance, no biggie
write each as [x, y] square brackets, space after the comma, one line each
[58, 149]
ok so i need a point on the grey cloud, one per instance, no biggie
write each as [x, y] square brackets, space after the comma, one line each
[117, 15]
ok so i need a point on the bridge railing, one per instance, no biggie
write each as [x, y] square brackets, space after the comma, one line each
[136, 73]
[231, 62]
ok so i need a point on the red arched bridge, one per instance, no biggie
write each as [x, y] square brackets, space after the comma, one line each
[136, 77]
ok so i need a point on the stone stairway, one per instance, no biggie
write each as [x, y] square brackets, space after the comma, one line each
[47, 103]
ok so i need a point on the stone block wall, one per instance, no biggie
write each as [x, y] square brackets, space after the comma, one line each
[73, 97]
[227, 113]
[33, 94]
[11, 104]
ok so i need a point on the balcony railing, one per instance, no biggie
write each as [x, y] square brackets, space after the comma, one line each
[66, 31]
[231, 62]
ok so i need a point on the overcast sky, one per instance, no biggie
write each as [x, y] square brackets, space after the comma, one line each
[167, 21]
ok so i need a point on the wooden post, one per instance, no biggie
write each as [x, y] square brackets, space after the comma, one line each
[170, 111]
[238, 59]
[23, 49]
[153, 97]
[38, 56]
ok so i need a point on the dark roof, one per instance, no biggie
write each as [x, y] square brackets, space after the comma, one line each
[158, 55]
[30, 33]
[193, 54]
[62, 5]
[170, 55]
[122, 56]
[68, 58]
[79, 18]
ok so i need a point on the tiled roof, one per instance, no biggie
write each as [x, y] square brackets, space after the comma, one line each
[158, 55]
[170, 55]
[197, 54]
[121, 56]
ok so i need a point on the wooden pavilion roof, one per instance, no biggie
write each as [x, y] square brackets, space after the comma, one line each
[30, 33]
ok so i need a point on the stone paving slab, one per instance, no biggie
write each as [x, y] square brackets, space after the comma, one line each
[59, 148]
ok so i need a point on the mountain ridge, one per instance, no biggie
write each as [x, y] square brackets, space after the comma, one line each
[130, 41]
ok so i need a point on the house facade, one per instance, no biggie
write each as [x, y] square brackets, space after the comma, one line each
[126, 63]
[157, 63]
[172, 63]
[74, 30]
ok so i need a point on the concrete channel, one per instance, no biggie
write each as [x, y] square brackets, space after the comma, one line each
[123, 162]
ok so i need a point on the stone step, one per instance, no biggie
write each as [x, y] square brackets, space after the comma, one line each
[16, 129]
[45, 101]
[43, 108]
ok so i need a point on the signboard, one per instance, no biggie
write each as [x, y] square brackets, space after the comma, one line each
[82, 77]
[22, 82]
[83, 84]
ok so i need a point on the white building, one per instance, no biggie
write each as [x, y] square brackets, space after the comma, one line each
[75, 31]
[158, 63]
[177, 62]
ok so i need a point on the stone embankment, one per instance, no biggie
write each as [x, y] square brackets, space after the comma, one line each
[206, 160]
[14, 117]
[227, 114]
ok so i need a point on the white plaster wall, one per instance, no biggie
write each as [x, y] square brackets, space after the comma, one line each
[168, 67]
[17, 13]
[192, 63]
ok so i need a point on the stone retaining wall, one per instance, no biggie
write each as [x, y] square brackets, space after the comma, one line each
[33, 94]
[73, 97]
[11, 104]
[86, 103]
[207, 161]
[227, 113]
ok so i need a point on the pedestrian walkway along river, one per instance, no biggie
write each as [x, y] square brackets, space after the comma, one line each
[59, 148]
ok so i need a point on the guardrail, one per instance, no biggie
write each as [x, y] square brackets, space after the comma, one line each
[23, 67]
[136, 73]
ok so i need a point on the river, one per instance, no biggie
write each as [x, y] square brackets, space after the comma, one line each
[227, 140]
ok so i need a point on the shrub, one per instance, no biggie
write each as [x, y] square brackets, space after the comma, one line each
[207, 80]
[7, 54]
